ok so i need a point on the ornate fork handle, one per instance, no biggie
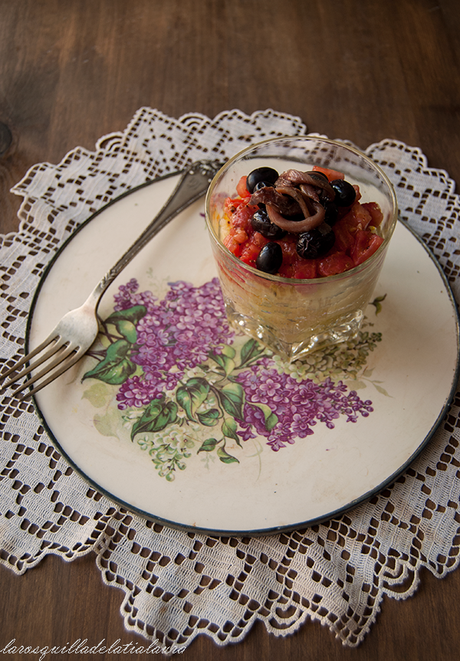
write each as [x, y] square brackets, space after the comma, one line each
[192, 185]
[77, 330]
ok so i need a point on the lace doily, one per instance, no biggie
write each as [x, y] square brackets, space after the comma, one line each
[177, 584]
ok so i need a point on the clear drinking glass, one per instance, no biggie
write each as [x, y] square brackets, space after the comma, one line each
[291, 316]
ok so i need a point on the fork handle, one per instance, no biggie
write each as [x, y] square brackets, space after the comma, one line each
[192, 185]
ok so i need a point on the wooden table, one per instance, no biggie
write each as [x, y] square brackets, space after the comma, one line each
[74, 70]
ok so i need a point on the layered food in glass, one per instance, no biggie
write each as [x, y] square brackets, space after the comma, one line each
[276, 286]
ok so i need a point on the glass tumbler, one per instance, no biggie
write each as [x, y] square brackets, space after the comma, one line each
[296, 316]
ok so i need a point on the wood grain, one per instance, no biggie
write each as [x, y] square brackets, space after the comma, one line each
[74, 70]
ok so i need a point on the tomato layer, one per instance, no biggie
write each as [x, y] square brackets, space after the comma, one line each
[356, 238]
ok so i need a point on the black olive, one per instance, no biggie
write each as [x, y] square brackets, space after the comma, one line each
[262, 223]
[314, 174]
[269, 175]
[259, 186]
[270, 258]
[324, 194]
[332, 214]
[345, 194]
[316, 242]
[262, 184]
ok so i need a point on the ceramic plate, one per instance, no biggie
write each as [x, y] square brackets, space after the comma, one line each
[178, 419]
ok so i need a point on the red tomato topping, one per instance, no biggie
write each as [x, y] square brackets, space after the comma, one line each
[288, 246]
[334, 264]
[232, 204]
[242, 217]
[306, 269]
[365, 245]
[241, 188]
[233, 245]
[375, 212]
[343, 237]
[358, 218]
[355, 237]
[252, 248]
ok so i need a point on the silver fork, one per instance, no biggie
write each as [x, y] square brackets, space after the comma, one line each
[78, 329]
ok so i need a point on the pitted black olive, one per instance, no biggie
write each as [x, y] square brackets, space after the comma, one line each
[270, 258]
[332, 214]
[345, 193]
[316, 174]
[262, 223]
[315, 242]
[268, 175]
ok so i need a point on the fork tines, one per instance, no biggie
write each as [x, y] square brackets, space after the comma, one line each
[64, 355]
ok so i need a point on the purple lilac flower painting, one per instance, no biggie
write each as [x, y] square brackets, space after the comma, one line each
[184, 383]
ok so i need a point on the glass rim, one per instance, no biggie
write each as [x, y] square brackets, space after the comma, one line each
[299, 281]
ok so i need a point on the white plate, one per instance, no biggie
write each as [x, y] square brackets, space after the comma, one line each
[409, 377]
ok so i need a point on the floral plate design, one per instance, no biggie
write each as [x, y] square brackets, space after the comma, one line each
[178, 371]
[178, 417]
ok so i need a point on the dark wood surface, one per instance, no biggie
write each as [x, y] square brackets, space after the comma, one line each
[74, 70]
